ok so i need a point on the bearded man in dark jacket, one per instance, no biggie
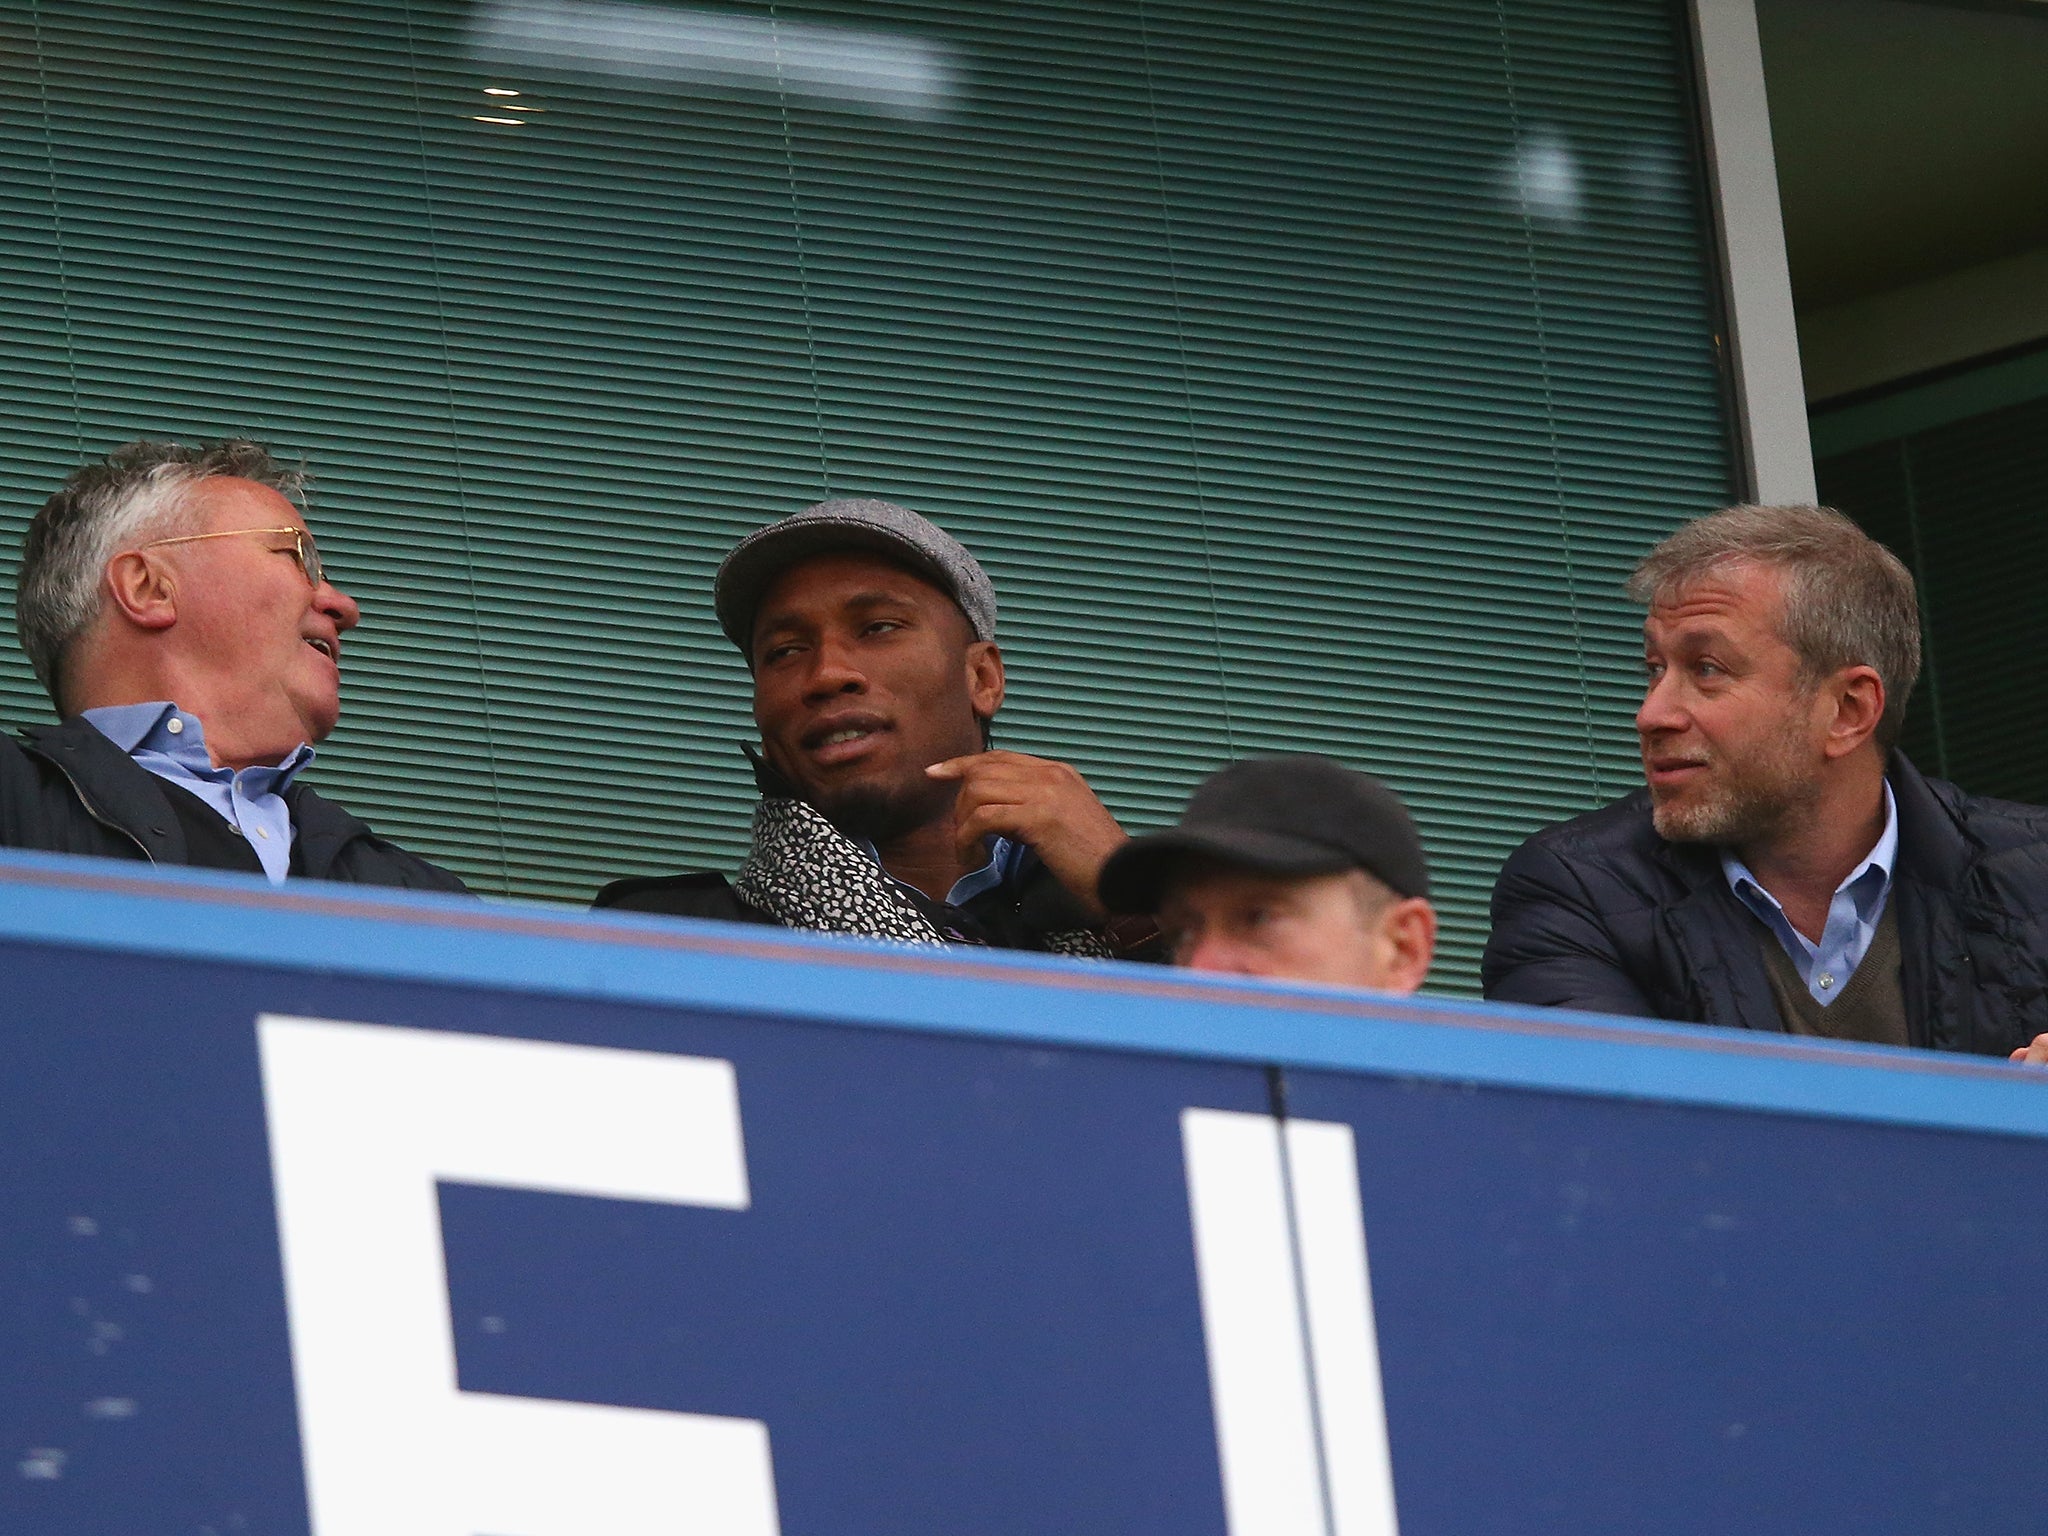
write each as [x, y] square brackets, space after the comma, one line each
[1786, 868]
[870, 635]
[172, 601]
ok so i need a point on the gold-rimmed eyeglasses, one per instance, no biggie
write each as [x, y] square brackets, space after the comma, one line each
[304, 550]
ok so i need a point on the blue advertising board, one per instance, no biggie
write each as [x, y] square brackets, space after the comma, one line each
[342, 1213]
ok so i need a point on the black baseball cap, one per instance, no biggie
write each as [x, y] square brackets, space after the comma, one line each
[1296, 815]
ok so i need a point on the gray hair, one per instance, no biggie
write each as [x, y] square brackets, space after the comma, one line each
[1848, 600]
[105, 508]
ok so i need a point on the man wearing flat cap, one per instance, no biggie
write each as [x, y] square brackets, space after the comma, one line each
[1290, 867]
[870, 634]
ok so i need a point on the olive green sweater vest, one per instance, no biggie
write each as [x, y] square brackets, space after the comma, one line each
[1872, 1007]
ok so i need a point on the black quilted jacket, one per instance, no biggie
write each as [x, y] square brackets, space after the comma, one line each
[1601, 913]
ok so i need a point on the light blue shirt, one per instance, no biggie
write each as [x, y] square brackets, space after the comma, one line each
[172, 745]
[1004, 857]
[1853, 914]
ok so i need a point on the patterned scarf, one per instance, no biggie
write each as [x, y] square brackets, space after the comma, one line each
[805, 873]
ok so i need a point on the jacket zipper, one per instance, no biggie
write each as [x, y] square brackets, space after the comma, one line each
[94, 811]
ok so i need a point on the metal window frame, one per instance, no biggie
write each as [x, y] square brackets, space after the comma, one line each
[1769, 395]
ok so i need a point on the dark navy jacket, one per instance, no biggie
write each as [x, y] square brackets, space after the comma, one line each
[65, 788]
[1603, 914]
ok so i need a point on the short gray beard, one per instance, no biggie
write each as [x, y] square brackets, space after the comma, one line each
[1749, 808]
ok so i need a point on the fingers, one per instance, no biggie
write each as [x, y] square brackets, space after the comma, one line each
[991, 803]
[980, 766]
[2034, 1054]
[1031, 787]
[984, 821]
[1037, 801]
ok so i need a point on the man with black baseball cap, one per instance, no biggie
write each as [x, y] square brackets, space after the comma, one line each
[1293, 867]
[870, 634]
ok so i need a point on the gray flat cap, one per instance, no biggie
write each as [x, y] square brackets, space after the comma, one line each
[881, 526]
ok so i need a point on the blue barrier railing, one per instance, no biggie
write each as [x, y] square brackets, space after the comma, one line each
[357, 1212]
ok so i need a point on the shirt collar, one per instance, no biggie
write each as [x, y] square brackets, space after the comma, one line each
[1003, 859]
[1004, 855]
[1868, 881]
[128, 725]
[160, 727]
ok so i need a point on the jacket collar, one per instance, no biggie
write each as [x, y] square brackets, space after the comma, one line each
[771, 784]
[1719, 938]
[1929, 880]
[118, 790]
[112, 786]
[322, 830]
[1934, 846]
[1695, 866]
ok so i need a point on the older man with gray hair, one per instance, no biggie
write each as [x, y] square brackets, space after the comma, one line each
[1785, 868]
[173, 603]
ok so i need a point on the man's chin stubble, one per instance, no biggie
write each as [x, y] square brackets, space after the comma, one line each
[879, 814]
[1728, 818]
[1677, 823]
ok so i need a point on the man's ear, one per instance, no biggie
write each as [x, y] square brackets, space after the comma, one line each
[143, 591]
[1407, 944]
[984, 679]
[1858, 696]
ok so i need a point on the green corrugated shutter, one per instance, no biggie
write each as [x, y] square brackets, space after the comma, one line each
[1306, 375]
[1963, 503]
